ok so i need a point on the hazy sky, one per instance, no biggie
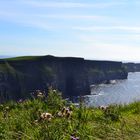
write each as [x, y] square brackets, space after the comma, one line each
[96, 29]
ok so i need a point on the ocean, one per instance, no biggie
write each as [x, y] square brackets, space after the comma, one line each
[118, 92]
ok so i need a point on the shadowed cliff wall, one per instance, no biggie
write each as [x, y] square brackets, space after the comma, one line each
[132, 67]
[72, 76]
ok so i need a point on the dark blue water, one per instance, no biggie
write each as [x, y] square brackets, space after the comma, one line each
[119, 92]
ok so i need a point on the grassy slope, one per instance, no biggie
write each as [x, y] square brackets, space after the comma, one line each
[17, 121]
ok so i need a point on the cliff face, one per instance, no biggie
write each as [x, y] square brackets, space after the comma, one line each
[100, 71]
[72, 76]
[132, 67]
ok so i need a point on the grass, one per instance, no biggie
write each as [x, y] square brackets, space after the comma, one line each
[22, 58]
[18, 121]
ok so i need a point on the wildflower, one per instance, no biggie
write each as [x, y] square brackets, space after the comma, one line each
[104, 108]
[54, 90]
[59, 114]
[65, 112]
[40, 95]
[62, 112]
[7, 108]
[20, 101]
[73, 137]
[46, 116]
[69, 112]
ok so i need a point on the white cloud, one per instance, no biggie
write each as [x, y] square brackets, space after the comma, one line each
[70, 4]
[105, 28]
[42, 20]
[112, 51]
[64, 16]
[109, 47]
[19, 14]
[25, 19]
[110, 38]
[39, 18]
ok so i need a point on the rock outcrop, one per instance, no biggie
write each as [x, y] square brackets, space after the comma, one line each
[72, 76]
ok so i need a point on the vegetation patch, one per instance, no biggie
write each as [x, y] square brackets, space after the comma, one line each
[53, 118]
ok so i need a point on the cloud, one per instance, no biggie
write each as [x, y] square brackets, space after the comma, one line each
[133, 38]
[110, 47]
[38, 18]
[43, 20]
[45, 4]
[105, 28]
[111, 51]
[25, 19]
[47, 16]
[68, 16]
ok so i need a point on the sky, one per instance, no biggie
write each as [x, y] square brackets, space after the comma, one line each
[93, 29]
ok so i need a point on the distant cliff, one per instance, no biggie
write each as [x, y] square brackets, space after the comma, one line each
[72, 76]
[132, 67]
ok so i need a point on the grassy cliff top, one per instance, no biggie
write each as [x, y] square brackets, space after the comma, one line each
[23, 58]
[20, 58]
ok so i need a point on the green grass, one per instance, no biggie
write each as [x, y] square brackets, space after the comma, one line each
[25, 58]
[17, 121]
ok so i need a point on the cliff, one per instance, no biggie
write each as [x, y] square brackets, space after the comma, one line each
[72, 76]
[100, 71]
[132, 67]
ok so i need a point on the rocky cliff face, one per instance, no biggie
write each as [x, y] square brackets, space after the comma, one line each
[102, 71]
[72, 76]
[132, 67]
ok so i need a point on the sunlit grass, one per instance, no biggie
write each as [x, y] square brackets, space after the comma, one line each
[18, 121]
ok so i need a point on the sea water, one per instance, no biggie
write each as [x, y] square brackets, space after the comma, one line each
[118, 92]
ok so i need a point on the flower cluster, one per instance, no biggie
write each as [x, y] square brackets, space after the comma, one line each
[65, 112]
[46, 116]
[104, 108]
[40, 94]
